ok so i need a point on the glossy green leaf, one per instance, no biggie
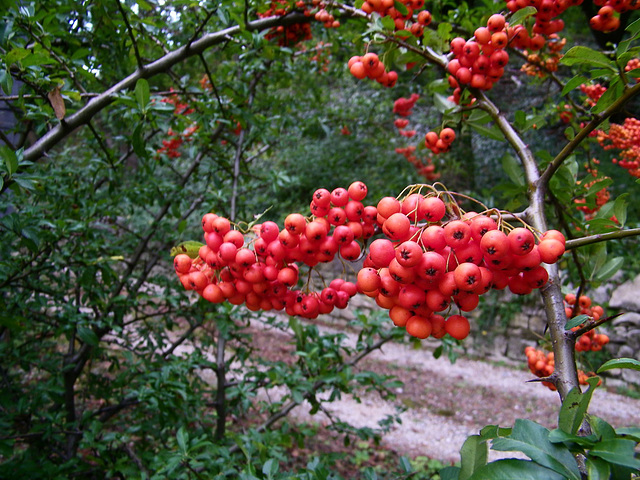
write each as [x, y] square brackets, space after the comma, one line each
[533, 440]
[574, 407]
[521, 15]
[573, 84]
[513, 169]
[400, 7]
[473, 455]
[88, 336]
[630, 363]
[575, 321]
[142, 94]
[511, 469]
[620, 208]
[581, 55]
[619, 451]
[597, 469]
[612, 94]
[609, 269]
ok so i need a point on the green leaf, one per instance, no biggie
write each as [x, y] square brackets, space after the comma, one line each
[142, 94]
[581, 55]
[574, 407]
[601, 429]
[183, 439]
[492, 132]
[598, 469]
[620, 208]
[442, 103]
[513, 169]
[575, 321]
[473, 455]
[533, 440]
[387, 23]
[560, 436]
[494, 431]
[631, 432]
[512, 468]
[449, 473]
[619, 451]
[521, 15]
[609, 269]
[137, 141]
[190, 247]
[16, 55]
[610, 96]
[88, 336]
[400, 7]
[6, 81]
[573, 83]
[630, 363]
[10, 159]
[634, 30]
[270, 468]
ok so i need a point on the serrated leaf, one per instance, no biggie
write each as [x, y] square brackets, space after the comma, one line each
[473, 455]
[573, 83]
[512, 468]
[521, 15]
[587, 56]
[630, 363]
[575, 321]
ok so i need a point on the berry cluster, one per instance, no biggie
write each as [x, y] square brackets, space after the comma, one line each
[633, 64]
[593, 92]
[370, 66]
[289, 35]
[403, 106]
[602, 196]
[261, 270]
[626, 138]
[402, 21]
[430, 260]
[546, 59]
[479, 63]
[542, 365]
[607, 19]
[425, 167]
[440, 142]
[589, 341]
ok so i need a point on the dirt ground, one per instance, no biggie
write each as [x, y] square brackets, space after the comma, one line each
[444, 403]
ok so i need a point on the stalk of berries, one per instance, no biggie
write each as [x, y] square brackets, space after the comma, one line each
[261, 268]
[436, 260]
[370, 66]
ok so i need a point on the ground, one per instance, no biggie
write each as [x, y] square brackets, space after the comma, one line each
[443, 403]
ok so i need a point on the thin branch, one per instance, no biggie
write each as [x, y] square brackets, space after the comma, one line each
[592, 325]
[584, 133]
[133, 38]
[601, 237]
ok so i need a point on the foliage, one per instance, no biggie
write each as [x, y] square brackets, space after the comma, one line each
[128, 120]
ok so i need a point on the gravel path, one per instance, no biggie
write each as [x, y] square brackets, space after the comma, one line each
[447, 402]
